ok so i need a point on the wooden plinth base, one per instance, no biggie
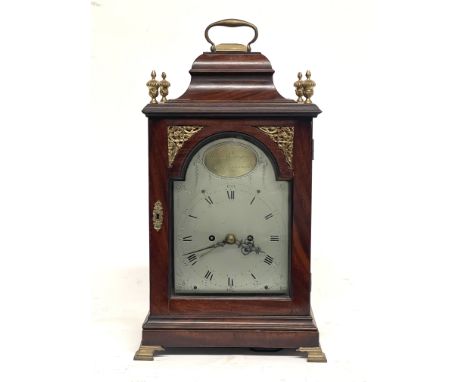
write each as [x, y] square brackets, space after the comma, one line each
[299, 333]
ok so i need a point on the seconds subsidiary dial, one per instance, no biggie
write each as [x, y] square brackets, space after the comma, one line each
[231, 223]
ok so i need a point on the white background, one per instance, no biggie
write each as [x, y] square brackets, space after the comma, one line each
[390, 210]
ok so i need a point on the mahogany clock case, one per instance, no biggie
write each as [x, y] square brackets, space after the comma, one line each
[231, 94]
[283, 315]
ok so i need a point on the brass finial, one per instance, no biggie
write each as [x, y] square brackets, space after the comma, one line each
[164, 87]
[308, 88]
[153, 86]
[299, 85]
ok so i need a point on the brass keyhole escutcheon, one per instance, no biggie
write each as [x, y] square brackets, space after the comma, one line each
[157, 215]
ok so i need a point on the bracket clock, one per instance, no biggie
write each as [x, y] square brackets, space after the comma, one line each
[230, 166]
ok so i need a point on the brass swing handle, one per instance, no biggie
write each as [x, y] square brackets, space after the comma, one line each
[231, 47]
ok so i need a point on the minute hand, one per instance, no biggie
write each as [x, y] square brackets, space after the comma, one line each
[220, 244]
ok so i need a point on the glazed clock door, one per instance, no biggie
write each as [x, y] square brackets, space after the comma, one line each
[231, 222]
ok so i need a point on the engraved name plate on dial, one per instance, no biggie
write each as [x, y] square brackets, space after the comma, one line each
[230, 159]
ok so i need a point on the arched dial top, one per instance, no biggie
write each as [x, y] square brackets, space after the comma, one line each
[231, 222]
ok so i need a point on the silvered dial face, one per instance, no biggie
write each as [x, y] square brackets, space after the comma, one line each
[231, 223]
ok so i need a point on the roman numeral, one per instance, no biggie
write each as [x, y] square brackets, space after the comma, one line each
[230, 194]
[253, 199]
[230, 282]
[270, 215]
[274, 238]
[187, 238]
[208, 200]
[253, 276]
[209, 275]
[192, 258]
[268, 260]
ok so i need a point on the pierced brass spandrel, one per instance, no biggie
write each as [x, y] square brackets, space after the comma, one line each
[176, 137]
[284, 137]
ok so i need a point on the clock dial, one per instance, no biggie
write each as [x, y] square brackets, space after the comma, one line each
[231, 222]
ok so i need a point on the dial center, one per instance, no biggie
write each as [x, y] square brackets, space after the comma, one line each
[230, 238]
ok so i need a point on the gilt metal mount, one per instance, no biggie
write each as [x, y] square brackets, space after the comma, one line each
[153, 87]
[314, 354]
[284, 137]
[156, 87]
[147, 353]
[158, 214]
[304, 88]
[176, 137]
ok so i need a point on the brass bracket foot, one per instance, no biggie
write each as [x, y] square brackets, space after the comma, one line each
[314, 354]
[146, 353]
